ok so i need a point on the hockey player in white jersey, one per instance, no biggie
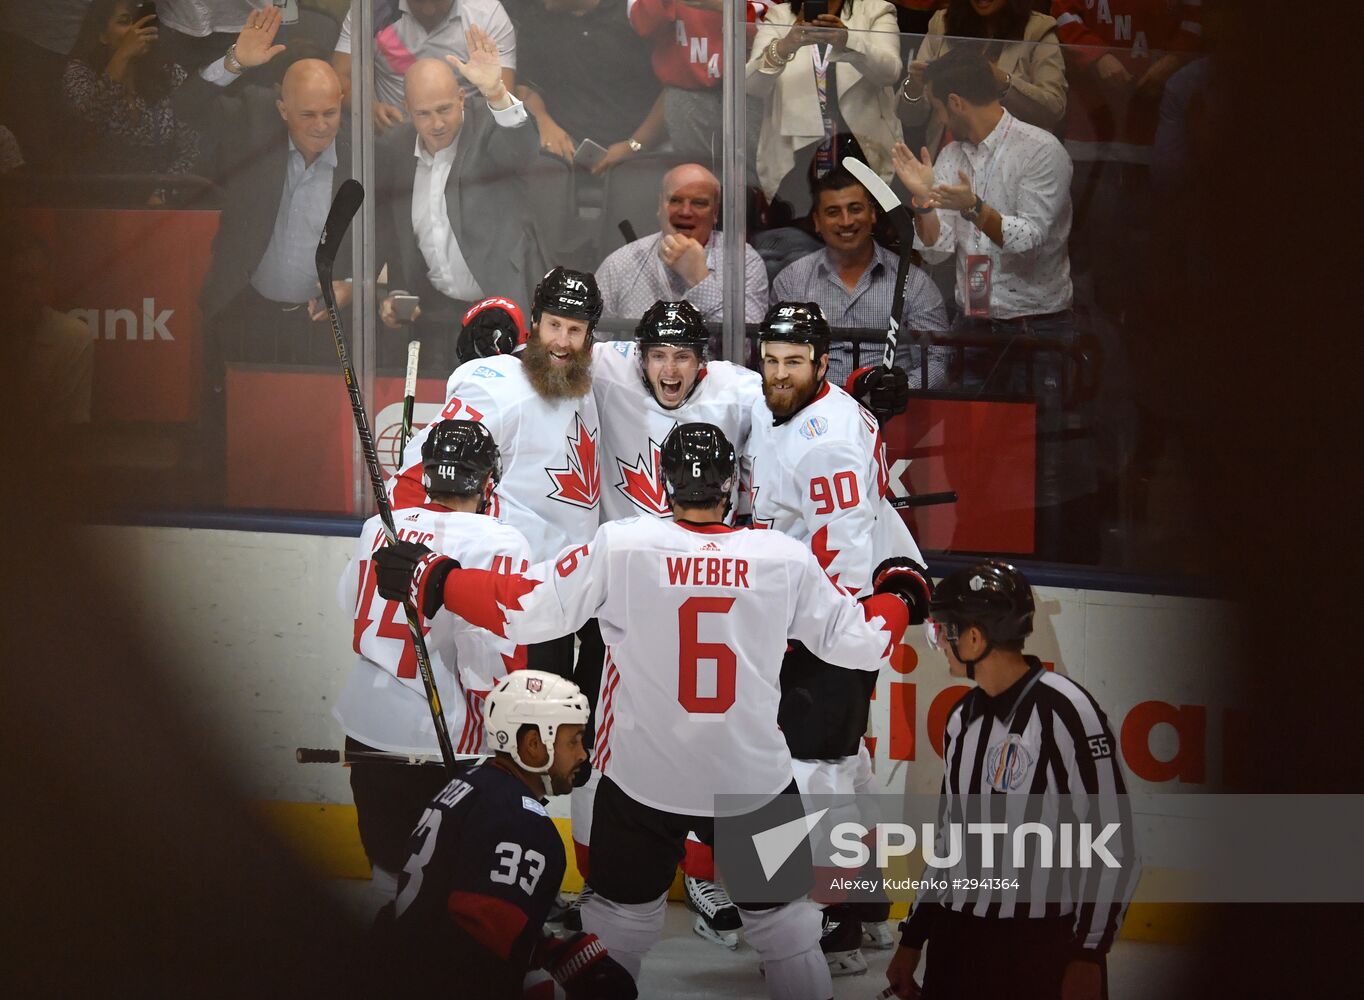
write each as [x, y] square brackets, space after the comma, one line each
[818, 474]
[689, 703]
[647, 387]
[383, 705]
[541, 410]
[644, 389]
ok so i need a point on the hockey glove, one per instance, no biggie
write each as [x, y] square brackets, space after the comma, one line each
[409, 570]
[582, 967]
[885, 392]
[907, 580]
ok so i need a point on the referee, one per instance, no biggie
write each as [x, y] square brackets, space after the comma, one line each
[1025, 743]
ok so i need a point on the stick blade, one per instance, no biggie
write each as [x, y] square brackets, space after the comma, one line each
[871, 180]
[344, 206]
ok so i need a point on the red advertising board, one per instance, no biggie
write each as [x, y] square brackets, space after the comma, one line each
[134, 277]
[290, 435]
[987, 453]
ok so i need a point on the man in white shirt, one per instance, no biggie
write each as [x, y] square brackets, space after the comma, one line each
[424, 29]
[684, 260]
[452, 222]
[999, 199]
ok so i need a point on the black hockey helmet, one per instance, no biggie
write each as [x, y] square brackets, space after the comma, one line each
[993, 596]
[491, 327]
[458, 456]
[569, 293]
[697, 462]
[675, 324]
[795, 323]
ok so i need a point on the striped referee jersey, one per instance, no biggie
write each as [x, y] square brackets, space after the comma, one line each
[1041, 753]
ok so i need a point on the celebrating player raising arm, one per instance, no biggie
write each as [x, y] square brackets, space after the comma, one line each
[719, 603]
[383, 705]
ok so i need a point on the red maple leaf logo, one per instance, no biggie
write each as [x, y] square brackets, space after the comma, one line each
[642, 485]
[579, 482]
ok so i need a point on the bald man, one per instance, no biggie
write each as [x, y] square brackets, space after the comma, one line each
[452, 216]
[684, 260]
[281, 158]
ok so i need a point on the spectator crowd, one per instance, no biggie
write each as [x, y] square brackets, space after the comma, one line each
[513, 135]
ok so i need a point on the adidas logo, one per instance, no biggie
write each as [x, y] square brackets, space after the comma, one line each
[410, 517]
[710, 547]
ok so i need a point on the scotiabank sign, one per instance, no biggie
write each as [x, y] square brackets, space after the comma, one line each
[134, 277]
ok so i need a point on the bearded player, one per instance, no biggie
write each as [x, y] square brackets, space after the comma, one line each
[540, 408]
[818, 474]
[682, 720]
[383, 705]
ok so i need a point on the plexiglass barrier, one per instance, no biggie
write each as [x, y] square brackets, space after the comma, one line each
[173, 191]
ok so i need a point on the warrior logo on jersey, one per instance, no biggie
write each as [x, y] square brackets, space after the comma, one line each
[642, 484]
[579, 482]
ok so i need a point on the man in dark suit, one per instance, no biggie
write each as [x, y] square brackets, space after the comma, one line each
[280, 162]
[452, 220]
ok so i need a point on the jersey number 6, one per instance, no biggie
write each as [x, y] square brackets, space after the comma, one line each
[691, 651]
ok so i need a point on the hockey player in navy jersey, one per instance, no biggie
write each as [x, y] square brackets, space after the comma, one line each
[485, 862]
[709, 610]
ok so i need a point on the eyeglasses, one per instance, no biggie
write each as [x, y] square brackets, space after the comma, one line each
[940, 632]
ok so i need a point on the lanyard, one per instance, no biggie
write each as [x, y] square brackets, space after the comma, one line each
[825, 155]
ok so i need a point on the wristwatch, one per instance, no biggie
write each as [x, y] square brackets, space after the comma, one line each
[973, 213]
[634, 144]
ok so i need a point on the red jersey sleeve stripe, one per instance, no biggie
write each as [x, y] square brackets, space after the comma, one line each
[493, 923]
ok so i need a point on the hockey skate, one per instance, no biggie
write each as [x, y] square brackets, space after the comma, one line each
[569, 912]
[878, 936]
[717, 918]
[842, 947]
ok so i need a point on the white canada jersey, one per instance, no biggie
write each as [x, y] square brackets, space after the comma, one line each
[696, 621]
[634, 425]
[821, 477]
[384, 703]
[551, 480]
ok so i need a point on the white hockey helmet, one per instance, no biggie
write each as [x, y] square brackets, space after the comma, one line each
[531, 698]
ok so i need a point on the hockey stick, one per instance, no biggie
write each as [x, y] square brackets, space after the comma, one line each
[414, 348]
[900, 218]
[318, 755]
[344, 206]
[924, 499]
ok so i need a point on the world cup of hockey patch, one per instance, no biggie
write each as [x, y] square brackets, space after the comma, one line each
[1008, 764]
[813, 428]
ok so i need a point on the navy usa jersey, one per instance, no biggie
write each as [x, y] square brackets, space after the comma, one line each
[486, 863]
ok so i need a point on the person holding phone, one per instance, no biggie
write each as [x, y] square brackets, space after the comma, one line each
[451, 213]
[824, 69]
[117, 89]
[585, 76]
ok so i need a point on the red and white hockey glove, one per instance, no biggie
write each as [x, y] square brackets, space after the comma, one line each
[582, 967]
[410, 570]
[908, 581]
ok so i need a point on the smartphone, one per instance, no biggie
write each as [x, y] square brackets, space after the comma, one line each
[145, 9]
[589, 154]
[404, 306]
[813, 8]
